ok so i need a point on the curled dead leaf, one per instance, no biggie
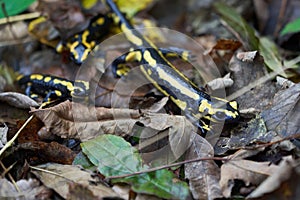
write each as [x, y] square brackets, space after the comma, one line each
[63, 178]
[203, 176]
[250, 172]
[18, 100]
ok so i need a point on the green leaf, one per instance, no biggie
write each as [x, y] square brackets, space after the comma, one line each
[291, 27]
[269, 51]
[161, 183]
[114, 156]
[83, 161]
[13, 7]
[234, 20]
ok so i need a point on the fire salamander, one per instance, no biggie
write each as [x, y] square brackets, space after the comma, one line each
[197, 105]
[81, 44]
[52, 87]
[119, 67]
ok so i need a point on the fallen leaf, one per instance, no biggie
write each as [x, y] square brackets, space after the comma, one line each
[49, 152]
[18, 100]
[73, 120]
[247, 56]
[114, 156]
[59, 177]
[227, 44]
[248, 171]
[12, 31]
[77, 191]
[29, 132]
[280, 175]
[29, 189]
[203, 176]
[220, 83]
[256, 96]
[283, 117]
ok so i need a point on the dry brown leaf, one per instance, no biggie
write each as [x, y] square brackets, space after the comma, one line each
[220, 83]
[248, 56]
[29, 189]
[12, 31]
[227, 44]
[50, 152]
[79, 192]
[203, 176]
[283, 117]
[18, 100]
[280, 174]
[250, 172]
[73, 120]
[60, 177]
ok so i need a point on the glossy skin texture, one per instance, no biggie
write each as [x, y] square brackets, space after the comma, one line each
[52, 87]
[81, 44]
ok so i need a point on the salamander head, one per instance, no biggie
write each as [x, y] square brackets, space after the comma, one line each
[228, 113]
[81, 89]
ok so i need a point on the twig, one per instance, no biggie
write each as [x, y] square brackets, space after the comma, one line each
[6, 170]
[50, 172]
[167, 166]
[20, 17]
[294, 136]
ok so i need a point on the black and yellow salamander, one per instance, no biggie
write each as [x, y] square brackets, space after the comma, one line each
[198, 106]
[119, 67]
[52, 87]
[81, 44]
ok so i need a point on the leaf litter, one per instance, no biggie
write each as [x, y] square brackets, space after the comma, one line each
[263, 141]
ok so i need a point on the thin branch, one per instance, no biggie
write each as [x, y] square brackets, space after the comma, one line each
[49, 172]
[6, 170]
[167, 166]
[20, 17]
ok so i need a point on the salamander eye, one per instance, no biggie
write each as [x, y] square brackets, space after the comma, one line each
[220, 116]
[78, 92]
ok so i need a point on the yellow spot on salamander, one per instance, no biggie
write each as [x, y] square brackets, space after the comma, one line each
[181, 104]
[185, 55]
[205, 107]
[36, 76]
[33, 24]
[58, 93]
[100, 21]
[130, 36]
[233, 104]
[176, 84]
[47, 79]
[133, 56]
[149, 71]
[72, 49]
[68, 84]
[20, 77]
[148, 58]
